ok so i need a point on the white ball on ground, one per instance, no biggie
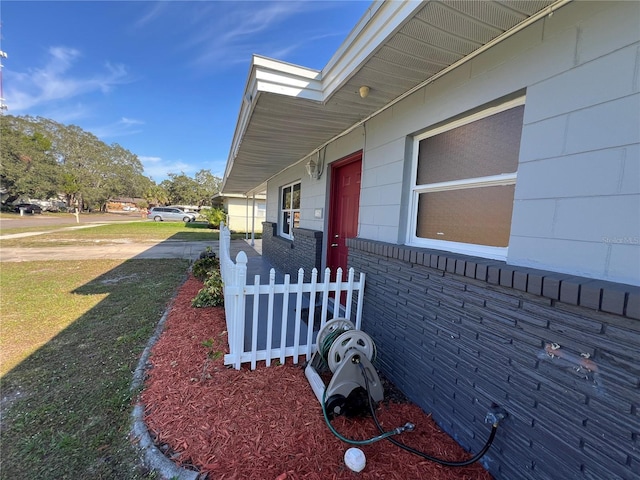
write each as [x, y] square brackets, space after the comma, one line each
[354, 459]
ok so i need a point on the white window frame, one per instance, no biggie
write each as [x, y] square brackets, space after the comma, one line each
[291, 211]
[496, 253]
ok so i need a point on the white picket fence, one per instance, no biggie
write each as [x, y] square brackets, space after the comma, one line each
[265, 311]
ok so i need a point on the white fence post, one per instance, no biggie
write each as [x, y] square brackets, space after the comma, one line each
[312, 312]
[286, 289]
[296, 335]
[239, 299]
[254, 322]
[272, 283]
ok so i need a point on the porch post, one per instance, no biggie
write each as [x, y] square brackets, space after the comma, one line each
[253, 221]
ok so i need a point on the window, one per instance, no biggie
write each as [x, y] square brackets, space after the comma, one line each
[465, 174]
[289, 210]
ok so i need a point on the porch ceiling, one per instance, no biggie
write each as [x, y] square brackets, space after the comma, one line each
[288, 111]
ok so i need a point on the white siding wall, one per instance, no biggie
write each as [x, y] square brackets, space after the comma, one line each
[577, 201]
[240, 217]
[577, 206]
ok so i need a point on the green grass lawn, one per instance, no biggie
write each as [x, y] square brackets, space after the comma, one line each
[142, 231]
[70, 338]
[138, 231]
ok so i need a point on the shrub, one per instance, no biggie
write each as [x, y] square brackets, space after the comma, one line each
[204, 265]
[211, 295]
[214, 216]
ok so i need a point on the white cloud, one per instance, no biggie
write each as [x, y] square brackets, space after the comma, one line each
[67, 113]
[131, 121]
[156, 11]
[149, 160]
[159, 168]
[124, 126]
[233, 38]
[222, 34]
[43, 86]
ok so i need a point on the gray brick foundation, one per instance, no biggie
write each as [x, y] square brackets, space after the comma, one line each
[288, 256]
[561, 354]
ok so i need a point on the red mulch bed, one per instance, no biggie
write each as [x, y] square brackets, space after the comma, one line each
[267, 423]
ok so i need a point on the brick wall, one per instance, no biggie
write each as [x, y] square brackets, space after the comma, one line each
[561, 354]
[288, 256]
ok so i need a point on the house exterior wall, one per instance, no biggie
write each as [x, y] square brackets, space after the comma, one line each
[239, 221]
[581, 117]
[577, 201]
[459, 335]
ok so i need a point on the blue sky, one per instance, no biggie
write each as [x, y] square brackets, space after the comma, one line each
[162, 79]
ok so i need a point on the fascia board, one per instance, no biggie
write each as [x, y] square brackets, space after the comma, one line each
[284, 78]
[293, 87]
[272, 76]
[259, 196]
[265, 63]
[246, 109]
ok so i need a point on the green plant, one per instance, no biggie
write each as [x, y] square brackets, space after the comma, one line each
[213, 354]
[214, 216]
[212, 294]
[204, 265]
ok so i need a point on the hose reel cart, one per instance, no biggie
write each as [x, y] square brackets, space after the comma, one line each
[348, 354]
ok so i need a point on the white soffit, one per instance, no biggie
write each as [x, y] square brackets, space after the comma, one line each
[288, 111]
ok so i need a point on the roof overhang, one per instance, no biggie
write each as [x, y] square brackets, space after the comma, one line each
[289, 112]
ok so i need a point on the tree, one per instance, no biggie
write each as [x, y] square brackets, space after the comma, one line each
[27, 166]
[87, 171]
[208, 185]
[70, 187]
[182, 190]
[155, 194]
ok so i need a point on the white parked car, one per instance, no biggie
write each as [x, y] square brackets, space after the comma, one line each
[170, 214]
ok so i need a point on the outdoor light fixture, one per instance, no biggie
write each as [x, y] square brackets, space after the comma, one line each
[314, 167]
[364, 91]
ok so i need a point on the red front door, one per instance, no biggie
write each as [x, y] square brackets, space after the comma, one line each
[343, 209]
